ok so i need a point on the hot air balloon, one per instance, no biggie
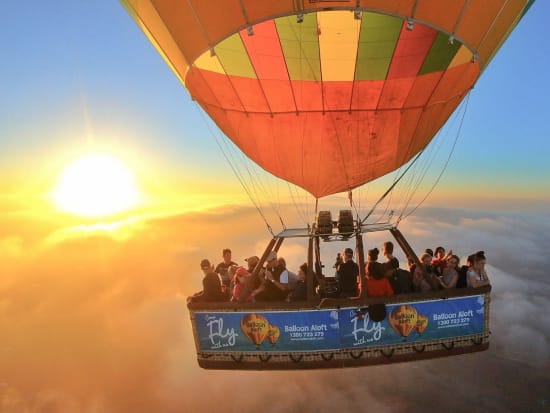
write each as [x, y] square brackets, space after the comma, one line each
[421, 324]
[403, 320]
[329, 95]
[349, 90]
[273, 334]
[255, 327]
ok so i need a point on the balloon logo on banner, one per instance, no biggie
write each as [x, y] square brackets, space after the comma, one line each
[255, 327]
[403, 319]
[273, 334]
[421, 323]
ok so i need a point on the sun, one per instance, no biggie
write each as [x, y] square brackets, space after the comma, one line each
[96, 185]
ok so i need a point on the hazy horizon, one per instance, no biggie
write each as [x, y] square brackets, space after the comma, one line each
[96, 321]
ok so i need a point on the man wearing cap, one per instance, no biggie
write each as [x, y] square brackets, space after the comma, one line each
[276, 280]
[211, 284]
[252, 262]
[347, 273]
[255, 281]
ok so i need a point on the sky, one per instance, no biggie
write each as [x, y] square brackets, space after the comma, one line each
[92, 310]
[81, 76]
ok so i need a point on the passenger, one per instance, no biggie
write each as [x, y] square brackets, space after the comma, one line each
[211, 285]
[373, 269]
[377, 284]
[410, 264]
[276, 279]
[462, 281]
[420, 283]
[449, 276]
[287, 276]
[400, 279]
[231, 272]
[481, 256]
[429, 251]
[347, 274]
[477, 276]
[439, 261]
[242, 291]
[252, 262]
[433, 269]
[300, 289]
[223, 267]
[387, 251]
[256, 279]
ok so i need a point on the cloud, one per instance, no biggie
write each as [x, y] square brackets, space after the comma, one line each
[96, 324]
[117, 230]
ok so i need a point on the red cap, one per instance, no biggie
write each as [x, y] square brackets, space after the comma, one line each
[241, 271]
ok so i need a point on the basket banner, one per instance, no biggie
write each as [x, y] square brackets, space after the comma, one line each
[332, 329]
[413, 322]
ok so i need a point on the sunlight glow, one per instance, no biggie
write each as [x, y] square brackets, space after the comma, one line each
[96, 185]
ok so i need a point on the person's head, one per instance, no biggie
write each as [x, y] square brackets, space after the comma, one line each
[271, 259]
[387, 248]
[240, 275]
[302, 271]
[372, 255]
[470, 260]
[439, 252]
[252, 262]
[425, 258]
[479, 261]
[206, 266]
[226, 254]
[348, 254]
[453, 261]
[429, 251]
[281, 263]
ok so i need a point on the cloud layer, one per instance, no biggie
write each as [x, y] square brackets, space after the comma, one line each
[95, 323]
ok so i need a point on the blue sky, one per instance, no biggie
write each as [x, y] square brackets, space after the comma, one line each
[76, 74]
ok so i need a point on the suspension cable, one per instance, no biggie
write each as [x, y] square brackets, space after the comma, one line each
[415, 183]
[446, 162]
[234, 169]
[392, 186]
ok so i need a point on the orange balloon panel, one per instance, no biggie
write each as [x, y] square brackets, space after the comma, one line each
[333, 151]
[326, 98]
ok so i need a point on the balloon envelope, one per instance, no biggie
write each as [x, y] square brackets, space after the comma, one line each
[318, 95]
